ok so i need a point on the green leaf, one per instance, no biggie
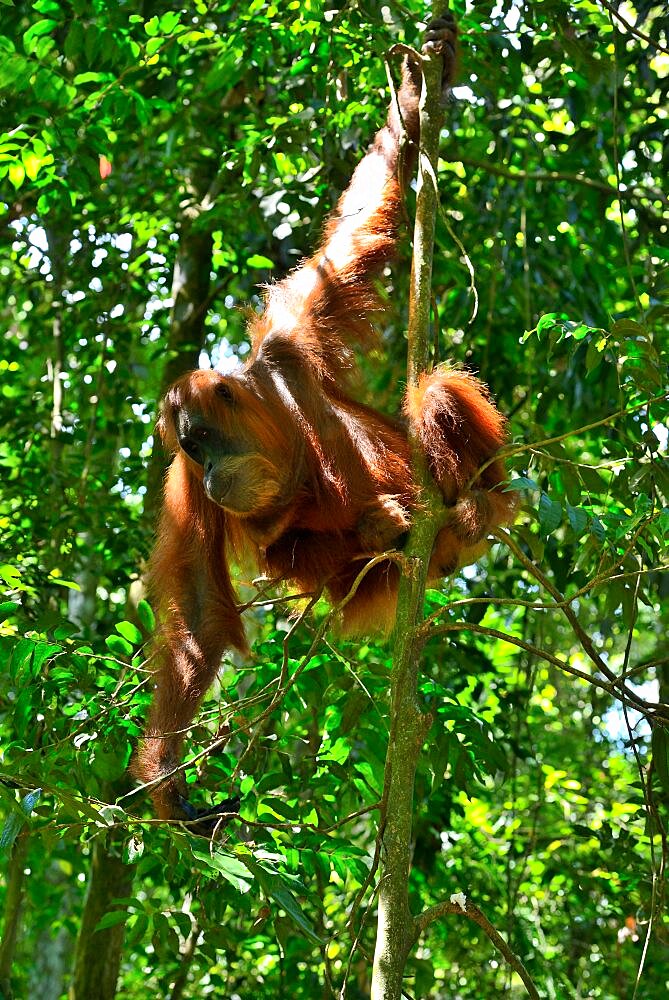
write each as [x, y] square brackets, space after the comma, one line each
[628, 328]
[16, 174]
[74, 42]
[17, 817]
[43, 652]
[364, 768]
[578, 519]
[597, 529]
[129, 632]
[547, 322]
[21, 660]
[111, 919]
[146, 616]
[109, 760]
[274, 886]
[550, 514]
[11, 829]
[169, 21]
[301, 65]
[236, 873]
[137, 929]
[257, 260]
[118, 646]
[338, 751]
[60, 582]
[134, 849]
[572, 482]
[36, 30]
[29, 801]
[523, 484]
[92, 78]
[31, 164]
[153, 45]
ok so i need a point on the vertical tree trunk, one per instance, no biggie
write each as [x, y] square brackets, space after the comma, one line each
[12, 911]
[191, 281]
[98, 953]
[97, 956]
[396, 926]
[190, 293]
[187, 956]
[395, 931]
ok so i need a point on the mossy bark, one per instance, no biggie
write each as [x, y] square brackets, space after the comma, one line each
[98, 953]
[15, 891]
[396, 931]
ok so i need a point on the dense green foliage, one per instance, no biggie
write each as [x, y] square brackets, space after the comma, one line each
[139, 142]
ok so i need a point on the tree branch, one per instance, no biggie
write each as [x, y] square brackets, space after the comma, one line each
[15, 891]
[614, 687]
[395, 930]
[630, 27]
[459, 904]
[637, 190]
[586, 642]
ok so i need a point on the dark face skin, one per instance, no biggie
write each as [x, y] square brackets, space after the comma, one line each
[239, 472]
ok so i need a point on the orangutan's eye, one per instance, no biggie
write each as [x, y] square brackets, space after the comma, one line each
[192, 449]
[224, 391]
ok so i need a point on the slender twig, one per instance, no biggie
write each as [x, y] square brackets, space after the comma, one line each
[282, 689]
[473, 290]
[186, 958]
[631, 28]
[571, 616]
[511, 173]
[516, 449]
[460, 905]
[646, 796]
[296, 825]
[517, 602]
[567, 610]
[521, 448]
[614, 686]
[356, 941]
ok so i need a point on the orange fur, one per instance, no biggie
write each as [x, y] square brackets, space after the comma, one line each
[280, 462]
